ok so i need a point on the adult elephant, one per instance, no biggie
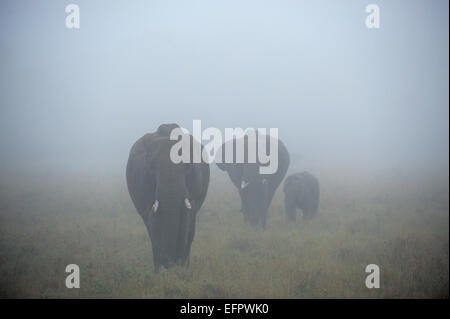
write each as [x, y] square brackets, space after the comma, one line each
[166, 195]
[301, 190]
[256, 190]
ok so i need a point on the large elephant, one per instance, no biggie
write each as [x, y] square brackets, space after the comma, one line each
[301, 191]
[256, 190]
[166, 195]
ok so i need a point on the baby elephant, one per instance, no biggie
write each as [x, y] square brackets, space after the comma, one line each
[301, 191]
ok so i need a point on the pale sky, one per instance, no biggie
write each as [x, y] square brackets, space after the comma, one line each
[337, 91]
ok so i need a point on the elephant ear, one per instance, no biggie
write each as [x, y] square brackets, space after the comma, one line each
[140, 175]
[283, 164]
[153, 151]
[234, 170]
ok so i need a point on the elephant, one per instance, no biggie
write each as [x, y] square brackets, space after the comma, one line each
[256, 190]
[301, 190]
[166, 195]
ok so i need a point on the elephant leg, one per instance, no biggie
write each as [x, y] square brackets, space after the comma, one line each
[245, 209]
[191, 233]
[155, 251]
[244, 205]
[291, 214]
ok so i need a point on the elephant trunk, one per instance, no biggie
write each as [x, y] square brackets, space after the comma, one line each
[171, 223]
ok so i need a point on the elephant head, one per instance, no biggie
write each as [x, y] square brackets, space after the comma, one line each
[167, 195]
[256, 189]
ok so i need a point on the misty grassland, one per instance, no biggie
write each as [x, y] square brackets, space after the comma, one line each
[398, 222]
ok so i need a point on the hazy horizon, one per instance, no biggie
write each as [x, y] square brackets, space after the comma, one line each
[339, 93]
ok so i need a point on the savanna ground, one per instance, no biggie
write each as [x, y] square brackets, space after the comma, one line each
[398, 222]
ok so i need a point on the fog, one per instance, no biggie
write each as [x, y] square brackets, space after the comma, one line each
[340, 94]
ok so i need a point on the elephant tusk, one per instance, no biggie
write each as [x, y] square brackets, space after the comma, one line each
[155, 206]
[187, 203]
[244, 184]
[264, 181]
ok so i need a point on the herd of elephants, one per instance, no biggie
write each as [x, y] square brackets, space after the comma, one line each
[168, 195]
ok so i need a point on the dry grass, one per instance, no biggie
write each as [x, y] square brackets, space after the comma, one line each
[398, 223]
